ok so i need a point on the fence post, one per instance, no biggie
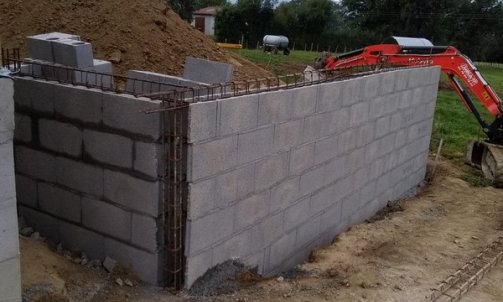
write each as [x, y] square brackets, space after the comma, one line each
[312, 46]
[293, 47]
[305, 46]
[317, 45]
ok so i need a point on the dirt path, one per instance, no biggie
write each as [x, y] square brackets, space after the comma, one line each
[397, 258]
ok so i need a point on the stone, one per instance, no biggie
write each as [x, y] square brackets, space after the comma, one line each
[109, 264]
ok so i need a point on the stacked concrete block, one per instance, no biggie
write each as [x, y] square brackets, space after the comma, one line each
[10, 280]
[40, 47]
[88, 164]
[144, 82]
[318, 160]
[207, 71]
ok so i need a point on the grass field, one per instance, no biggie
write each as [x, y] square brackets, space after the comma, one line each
[452, 122]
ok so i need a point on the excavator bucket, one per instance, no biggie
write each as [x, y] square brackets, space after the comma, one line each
[489, 158]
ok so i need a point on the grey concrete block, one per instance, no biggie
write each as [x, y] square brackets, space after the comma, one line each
[317, 126]
[60, 137]
[207, 71]
[74, 237]
[148, 159]
[301, 159]
[221, 223]
[23, 128]
[6, 109]
[351, 91]
[308, 232]
[332, 217]
[347, 141]
[371, 86]
[246, 180]
[359, 113]
[132, 193]
[288, 134]
[388, 80]
[144, 232]
[266, 232]
[256, 261]
[8, 230]
[338, 121]
[329, 96]
[281, 249]
[202, 196]
[145, 265]
[350, 205]
[38, 95]
[79, 103]
[297, 214]
[108, 148]
[336, 169]
[124, 112]
[238, 114]
[237, 247]
[250, 210]
[366, 134]
[7, 177]
[312, 180]
[303, 101]
[59, 202]
[274, 107]
[26, 191]
[355, 159]
[406, 99]
[325, 149]
[284, 194]
[271, 171]
[256, 144]
[69, 52]
[202, 121]
[402, 79]
[106, 218]
[99, 75]
[322, 200]
[41, 47]
[215, 156]
[79, 176]
[382, 126]
[37, 164]
[43, 223]
[418, 96]
[10, 280]
[197, 266]
[395, 123]
[343, 187]
[386, 144]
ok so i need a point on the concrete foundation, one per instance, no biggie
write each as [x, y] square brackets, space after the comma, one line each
[10, 280]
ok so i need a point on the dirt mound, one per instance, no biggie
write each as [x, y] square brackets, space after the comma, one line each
[144, 34]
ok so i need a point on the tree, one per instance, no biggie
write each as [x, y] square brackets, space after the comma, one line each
[205, 3]
[184, 8]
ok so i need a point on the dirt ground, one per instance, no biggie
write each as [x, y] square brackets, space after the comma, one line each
[144, 35]
[399, 256]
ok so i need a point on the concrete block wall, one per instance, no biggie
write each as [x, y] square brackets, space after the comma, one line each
[274, 174]
[87, 171]
[10, 278]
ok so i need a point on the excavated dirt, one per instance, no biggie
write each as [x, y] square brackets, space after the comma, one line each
[400, 255]
[144, 35]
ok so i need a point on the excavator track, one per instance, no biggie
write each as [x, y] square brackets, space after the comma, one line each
[489, 158]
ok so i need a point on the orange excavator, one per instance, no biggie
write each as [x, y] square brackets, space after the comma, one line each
[462, 74]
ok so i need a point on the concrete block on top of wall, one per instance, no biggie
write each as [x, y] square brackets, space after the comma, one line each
[78, 103]
[40, 46]
[140, 81]
[69, 52]
[206, 71]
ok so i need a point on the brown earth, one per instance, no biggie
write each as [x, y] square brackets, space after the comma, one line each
[143, 34]
[400, 256]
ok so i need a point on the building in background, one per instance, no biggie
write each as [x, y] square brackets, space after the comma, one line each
[204, 19]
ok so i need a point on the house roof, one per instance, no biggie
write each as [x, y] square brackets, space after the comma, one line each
[208, 11]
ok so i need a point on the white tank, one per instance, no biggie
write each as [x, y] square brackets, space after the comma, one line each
[276, 41]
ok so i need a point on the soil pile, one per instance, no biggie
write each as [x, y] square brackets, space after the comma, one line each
[145, 35]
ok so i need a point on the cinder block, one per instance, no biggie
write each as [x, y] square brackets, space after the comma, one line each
[395, 123]
[308, 232]
[366, 134]
[256, 144]
[351, 91]
[197, 266]
[350, 205]
[60, 137]
[78, 238]
[202, 121]
[68, 52]
[144, 82]
[59, 202]
[335, 169]
[99, 75]
[316, 126]
[284, 194]
[37, 164]
[359, 113]
[245, 180]
[215, 156]
[355, 159]
[406, 99]
[281, 249]
[7, 177]
[344, 186]
[132, 193]
[220, 224]
[36, 94]
[311, 180]
[256, 261]
[79, 103]
[402, 79]
[270, 171]
[40, 46]
[322, 200]
[368, 192]
[301, 159]
[26, 191]
[8, 229]
[266, 232]
[10, 280]
[371, 86]
[386, 144]
[238, 114]
[382, 126]
[250, 210]
[237, 247]
[388, 80]
[274, 107]
[325, 149]
[79, 176]
[288, 134]
[108, 148]
[417, 96]
[6, 109]
[145, 265]
[23, 128]
[332, 217]
[148, 159]
[303, 102]
[206, 71]
[202, 196]
[144, 232]
[106, 218]
[415, 78]
[329, 96]
[124, 112]
[45, 224]
[339, 121]
[347, 141]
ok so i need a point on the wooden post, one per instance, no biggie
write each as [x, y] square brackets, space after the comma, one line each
[317, 46]
[293, 47]
[312, 46]
[305, 46]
